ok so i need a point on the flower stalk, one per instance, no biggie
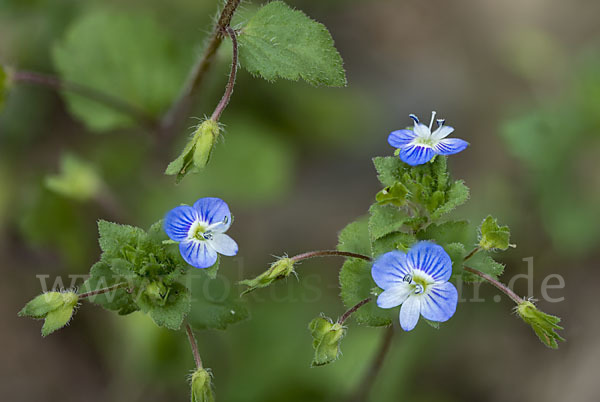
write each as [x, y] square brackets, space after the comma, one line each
[230, 84]
[194, 346]
[505, 289]
[328, 253]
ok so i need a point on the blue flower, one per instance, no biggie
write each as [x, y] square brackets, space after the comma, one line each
[200, 231]
[417, 280]
[419, 145]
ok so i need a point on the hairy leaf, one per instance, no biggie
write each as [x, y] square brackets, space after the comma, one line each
[279, 42]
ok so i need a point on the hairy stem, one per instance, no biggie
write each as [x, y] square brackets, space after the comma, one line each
[366, 384]
[328, 253]
[505, 289]
[101, 291]
[113, 102]
[194, 346]
[353, 309]
[229, 88]
[182, 105]
[472, 253]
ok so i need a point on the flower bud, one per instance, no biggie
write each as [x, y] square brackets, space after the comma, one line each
[56, 308]
[280, 269]
[196, 154]
[543, 324]
[202, 387]
[327, 337]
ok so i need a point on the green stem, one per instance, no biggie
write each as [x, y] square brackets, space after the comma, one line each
[101, 291]
[57, 84]
[193, 345]
[182, 105]
[505, 289]
[328, 253]
[353, 309]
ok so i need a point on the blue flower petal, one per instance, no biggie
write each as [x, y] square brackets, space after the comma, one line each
[409, 313]
[213, 211]
[400, 138]
[178, 222]
[394, 296]
[439, 304]
[389, 269]
[223, 244]
[198, 253]
[416, 154]
[450, 146]
[431, 259]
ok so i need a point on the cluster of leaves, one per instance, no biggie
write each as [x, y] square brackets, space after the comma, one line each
[150, 272]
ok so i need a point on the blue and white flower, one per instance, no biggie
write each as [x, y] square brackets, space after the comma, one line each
[200, 231]
[419, 145]
[417, 280]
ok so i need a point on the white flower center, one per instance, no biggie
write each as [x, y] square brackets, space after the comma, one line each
[418, 281]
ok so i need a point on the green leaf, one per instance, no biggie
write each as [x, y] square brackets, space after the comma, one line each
[280, 269]
[357, 284]
[484, 263]
[279, 42]
[389, 169]
[167, 309]
[118, 240]
[119, 300]
[544, 325]
[355, 238]
[128, 57]
[77, 180]
[215, 304]
[327, 337]
[385, 219]
[447, 232]
[457, 253]
[494, 236]
[393, 241]
[457, 194]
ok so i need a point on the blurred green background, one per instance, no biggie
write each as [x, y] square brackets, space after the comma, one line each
[519, 80]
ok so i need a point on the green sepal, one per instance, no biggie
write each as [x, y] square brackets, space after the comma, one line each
[201, 389]
[395, 194]
[544, 325]
[327, 337]
[357, 284]
[282, 268]
[197, 151]
[493, 236]
[280, 42]
[56, 308]
[77, 180]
